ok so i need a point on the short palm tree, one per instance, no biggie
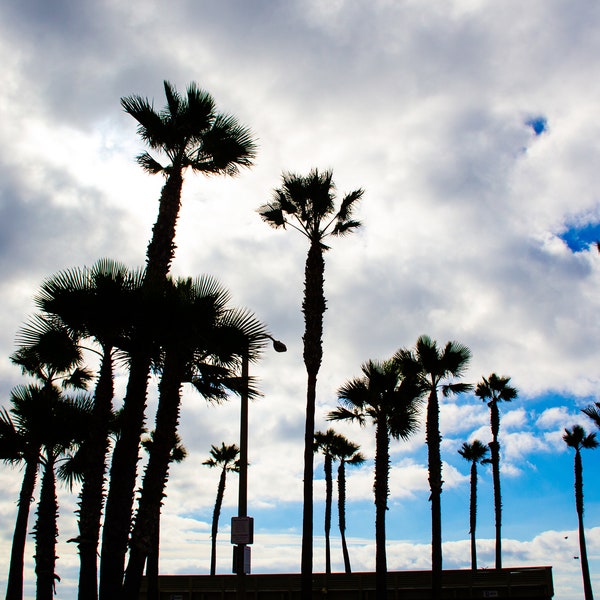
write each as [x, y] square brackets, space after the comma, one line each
[493, 390]
[476, 453]
[577, 439]
[178, 454]
[391, 402]
[190, 133]
[326, 443]
[225, 458]
[307, 204]
[67, 424]
[435, 368]
[48, 353]
[347, 453]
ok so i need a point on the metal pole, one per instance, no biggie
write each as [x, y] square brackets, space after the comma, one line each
[243, 477]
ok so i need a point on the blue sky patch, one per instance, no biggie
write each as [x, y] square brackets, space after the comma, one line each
[580, 238]
[538, 124]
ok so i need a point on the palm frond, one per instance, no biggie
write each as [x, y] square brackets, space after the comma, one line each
[149, 164]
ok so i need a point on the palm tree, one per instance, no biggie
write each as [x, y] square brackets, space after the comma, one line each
[493, 390]
[48, 353]
[227, 459]
[189, 132]
[99, 303]
[20, 435]
[475, 453]
[67, 425]
[178, 454]
[203, 343]
[307, 204]
[347, 453]
[593, 412]
[435, 368]
[391, 402]
[577, 439]
[327, 444]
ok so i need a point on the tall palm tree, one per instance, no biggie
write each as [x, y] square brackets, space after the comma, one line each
[203, 342]
[347, 453]
[98, 303]
[391, 402]
[327, 443]
[435, 368]
[476, 453]
[577, 439]
[48, 353]
[493, 390]
[189, 133]
[307, 204]
[227, 459]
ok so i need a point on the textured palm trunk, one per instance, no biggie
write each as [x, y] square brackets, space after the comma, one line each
[435, 485]
[92, 491]
[473, 515]
[152, 565]
[313, 308]
[328, 499]
[382, 472]
[119, 503]
[46, 533]
[215, 521]
[495, 456]
[157, 469]
[342, 513]
[14, 586]
[585, 569]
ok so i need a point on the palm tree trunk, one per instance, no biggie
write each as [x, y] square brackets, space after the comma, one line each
[14, 587]
[123, 472]
[215, 521]
[342, 513]
[46, 533]
[495, 456]
[435, 485]
[473, 515]
[382, 472]
[585, 569]
[155, 477]
[92, 491]
[152, 565]
[328, 500]
[161, 248]
[313, 307]
[119, 502]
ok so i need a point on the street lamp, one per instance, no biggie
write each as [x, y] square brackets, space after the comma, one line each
[242, 526]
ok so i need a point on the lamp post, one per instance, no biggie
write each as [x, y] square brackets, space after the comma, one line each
[242, 526]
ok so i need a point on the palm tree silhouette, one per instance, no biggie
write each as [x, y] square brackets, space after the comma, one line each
[493, 390]
[203, 341]
[475, 453]
[347, 453]
[577, 439]
[227, 459]
[190, 133]
[50, 354]
[100, 303]
[327, 444]
[391, 402]
[435, 368]
[307, 204]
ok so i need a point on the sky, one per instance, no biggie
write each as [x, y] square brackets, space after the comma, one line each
[473, 128]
